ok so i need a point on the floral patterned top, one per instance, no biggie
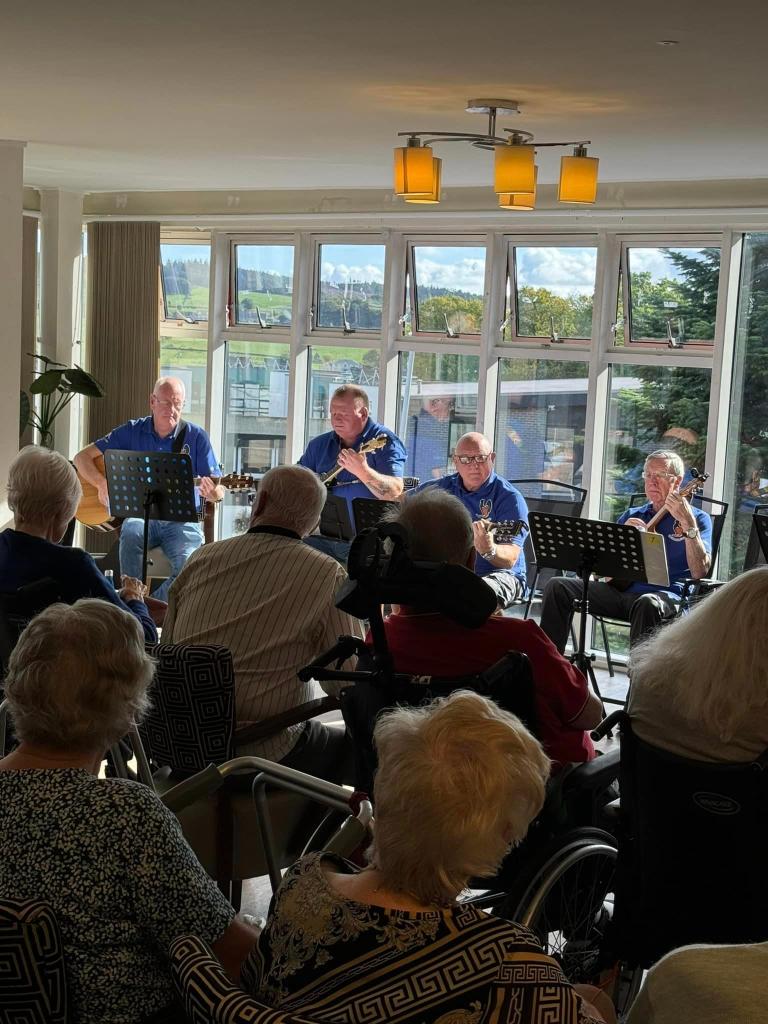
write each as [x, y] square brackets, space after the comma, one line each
[332, 959]
[112, 862]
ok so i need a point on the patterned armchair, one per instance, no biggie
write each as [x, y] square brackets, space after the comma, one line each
[208, 995]
[33, 985]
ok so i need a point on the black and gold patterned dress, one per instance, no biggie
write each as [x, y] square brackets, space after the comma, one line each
[334, 959]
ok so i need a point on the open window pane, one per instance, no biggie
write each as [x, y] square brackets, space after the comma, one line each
[673, 293]
[264, 285]
[540, 420]
[350, 287]
[255, 419]
[555, 291]
[652, 407]
[331, 367]
[449, 285]
[185, 275]
[746, 462]
[438, 403]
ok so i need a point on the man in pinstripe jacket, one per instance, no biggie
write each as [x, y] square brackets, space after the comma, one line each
[269, 598]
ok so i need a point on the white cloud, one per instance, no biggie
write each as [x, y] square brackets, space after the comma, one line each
[658, 262]
[340, 273]
[563, 271]
[465, 275]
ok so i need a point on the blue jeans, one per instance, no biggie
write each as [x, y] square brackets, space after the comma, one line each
[177, 540]
[338, 549]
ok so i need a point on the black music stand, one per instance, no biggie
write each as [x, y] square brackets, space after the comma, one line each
[588, 546]
[334, 519]
[368, 512]
[150, 485]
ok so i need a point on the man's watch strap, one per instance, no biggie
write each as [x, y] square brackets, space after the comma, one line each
[692, 532]
[490, 554]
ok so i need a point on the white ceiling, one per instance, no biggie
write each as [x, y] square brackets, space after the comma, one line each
[229, 94]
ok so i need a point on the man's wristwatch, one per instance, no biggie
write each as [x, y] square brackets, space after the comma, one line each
[490, 554]
[691, 533]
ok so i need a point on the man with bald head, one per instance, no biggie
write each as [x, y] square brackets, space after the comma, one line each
[488, 498]
[162, 431]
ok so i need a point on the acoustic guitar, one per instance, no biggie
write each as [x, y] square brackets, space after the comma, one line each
[91, 513]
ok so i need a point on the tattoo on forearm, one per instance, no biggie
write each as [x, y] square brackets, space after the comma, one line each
[383, 487]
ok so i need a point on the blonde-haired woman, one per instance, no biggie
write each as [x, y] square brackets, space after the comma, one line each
[457, 785]
[700, 685]
[104, 853]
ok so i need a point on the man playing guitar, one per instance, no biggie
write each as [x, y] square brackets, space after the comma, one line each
[162, 431]
[378, 474]
[687, 533]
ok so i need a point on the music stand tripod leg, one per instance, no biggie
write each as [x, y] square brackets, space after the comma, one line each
[148, 499]
[580, 658]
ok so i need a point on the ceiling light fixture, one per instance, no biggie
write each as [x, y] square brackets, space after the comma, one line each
[418, 170]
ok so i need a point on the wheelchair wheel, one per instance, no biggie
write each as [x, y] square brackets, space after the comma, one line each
[569, 902]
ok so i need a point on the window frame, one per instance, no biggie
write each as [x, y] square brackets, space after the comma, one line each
[256, 239]
[466, 241]
[696, 240]
[317, 242]
[173, 324]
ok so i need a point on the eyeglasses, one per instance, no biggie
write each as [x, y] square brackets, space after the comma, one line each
[659, 476]
[167, 406]
[467, 460]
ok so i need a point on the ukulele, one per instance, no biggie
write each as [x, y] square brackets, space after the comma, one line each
[90, 511]
[367, 446]
[694, 486]
[505, 531]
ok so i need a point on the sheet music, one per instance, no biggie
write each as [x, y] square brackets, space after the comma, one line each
[655, 555]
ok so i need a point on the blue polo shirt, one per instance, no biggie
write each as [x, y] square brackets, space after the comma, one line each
[674, 543]
[140, 436]
[496, 499]
[322, 454]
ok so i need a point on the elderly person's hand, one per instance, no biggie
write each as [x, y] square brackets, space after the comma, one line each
[132, 589]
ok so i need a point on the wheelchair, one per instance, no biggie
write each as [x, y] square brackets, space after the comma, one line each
[559, 881]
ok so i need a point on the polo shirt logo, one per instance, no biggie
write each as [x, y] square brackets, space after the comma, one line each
[485, 508]
[185, 450]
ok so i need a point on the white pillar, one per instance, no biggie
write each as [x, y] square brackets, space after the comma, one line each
[62, 225]
[11, 212]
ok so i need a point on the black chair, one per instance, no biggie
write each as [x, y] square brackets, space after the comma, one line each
[17, 608]
[560, 499]
[693, 590]
[33, 982]
[693, 842]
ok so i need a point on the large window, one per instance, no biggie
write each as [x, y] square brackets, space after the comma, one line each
[263, 285]
[437, 404]
[349, 287]
[255, 418]
[331, 367]
[652, 407]
[669, 294]
[550, 292]
[541, 419]
[185, 272]
[747, 449]
[446, 289]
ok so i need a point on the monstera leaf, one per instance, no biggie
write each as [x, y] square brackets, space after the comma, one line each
[57, 385]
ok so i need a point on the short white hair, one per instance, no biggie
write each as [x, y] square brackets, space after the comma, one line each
[458, 783]
[169, 382]
[710, 665]
[294, 498]
[43, 487]
[78, 677]
[438, 526]
[674, 463]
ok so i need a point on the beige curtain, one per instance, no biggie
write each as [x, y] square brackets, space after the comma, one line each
[123, 346]
[28, 313]
[123, 343]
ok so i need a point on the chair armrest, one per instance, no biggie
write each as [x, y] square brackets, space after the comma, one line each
[208, 993]
[700, 587]
[269, 726]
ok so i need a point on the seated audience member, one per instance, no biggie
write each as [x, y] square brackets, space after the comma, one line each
[431, 644]
[104, 853]
[700, 685]
[705, 985]
[43, 494]
[488, 497]
[269, 598]
[458, 783]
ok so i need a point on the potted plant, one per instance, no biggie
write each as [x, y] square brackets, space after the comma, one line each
[57, 385]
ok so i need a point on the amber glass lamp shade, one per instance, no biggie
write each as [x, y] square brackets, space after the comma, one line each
[416, 176]
[578, 177]
[514, 169]
[520, 200]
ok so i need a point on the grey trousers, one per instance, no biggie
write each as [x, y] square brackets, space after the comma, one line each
[508, 588]
[643, 612]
